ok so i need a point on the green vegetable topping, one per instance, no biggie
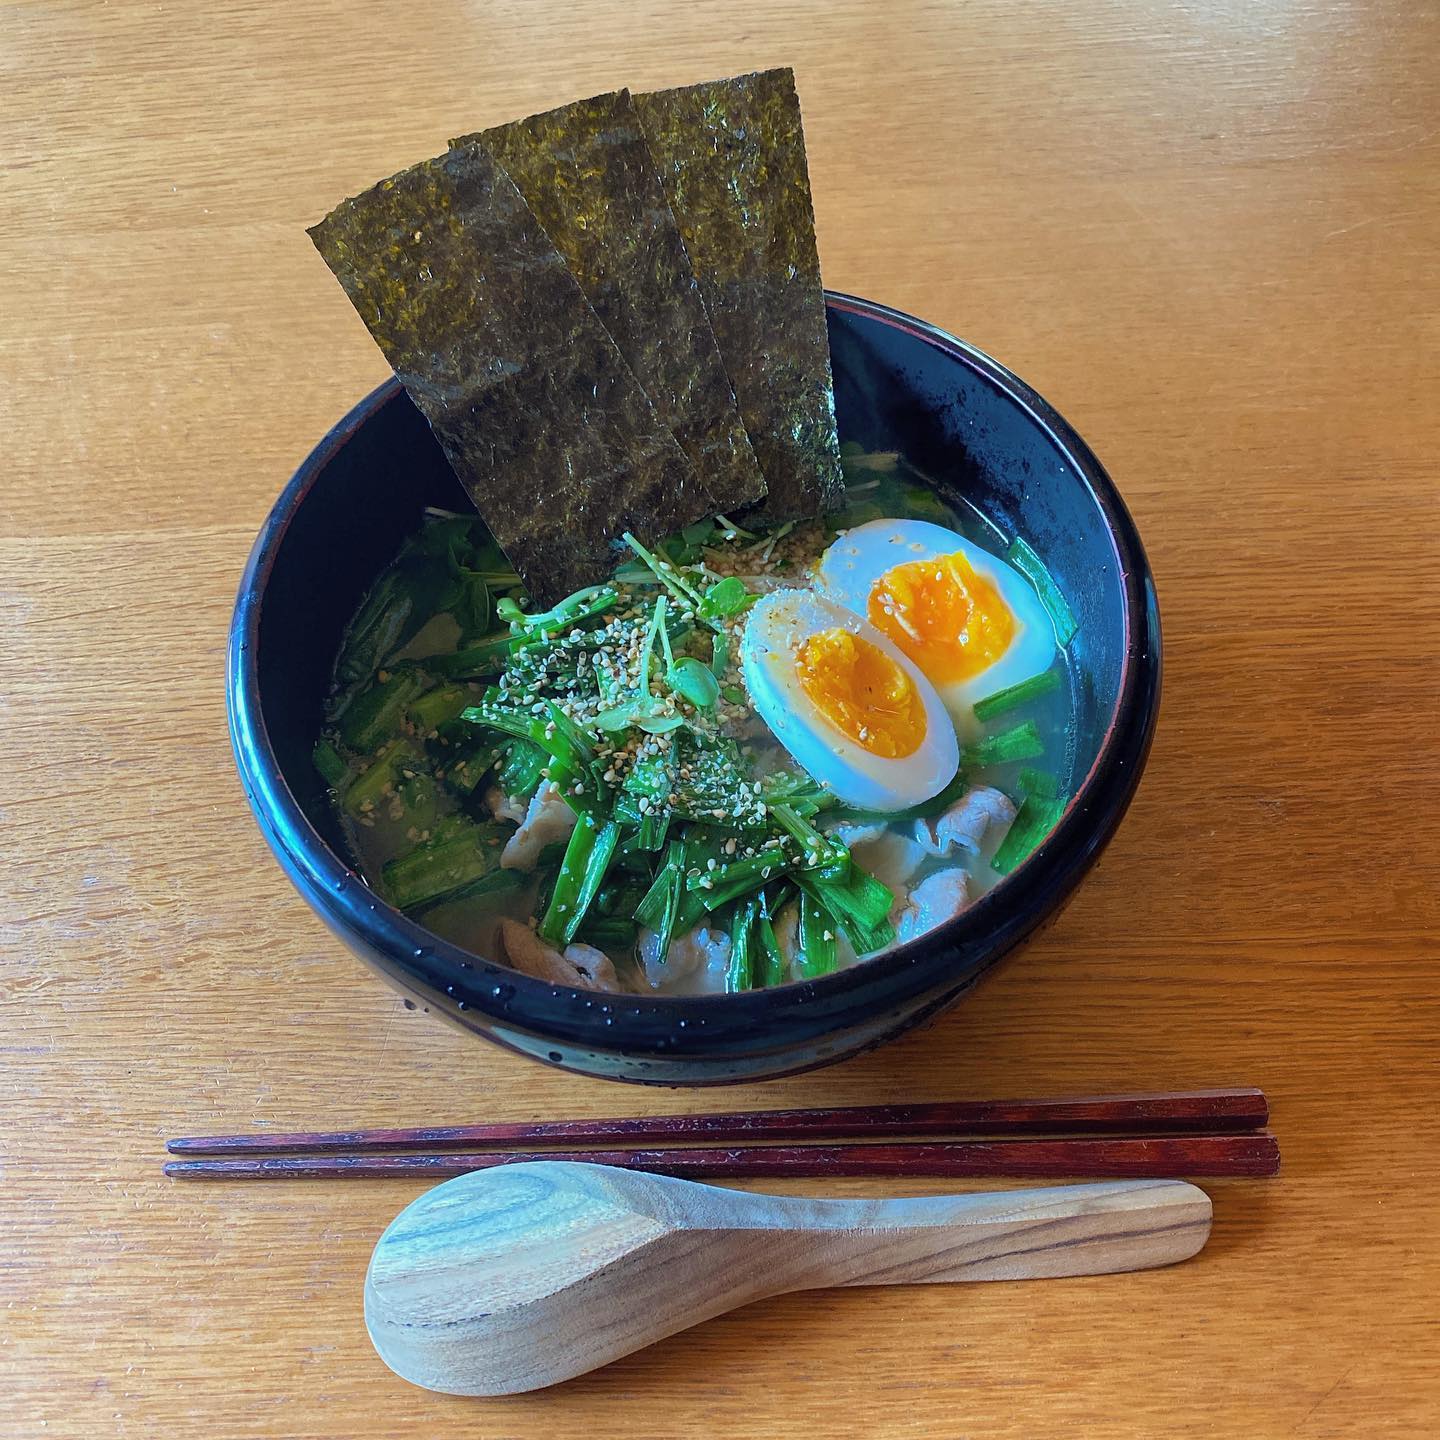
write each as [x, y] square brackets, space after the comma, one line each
[1020, 742]
[1015, 695]
[453, 700]
[1025, 560]
[1036, 818]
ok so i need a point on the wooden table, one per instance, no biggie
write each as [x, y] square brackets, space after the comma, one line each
[1207, 232]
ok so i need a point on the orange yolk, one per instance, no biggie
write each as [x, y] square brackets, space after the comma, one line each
[950, 621]
[861, 691]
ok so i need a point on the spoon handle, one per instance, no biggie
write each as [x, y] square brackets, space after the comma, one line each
[1015, 1235]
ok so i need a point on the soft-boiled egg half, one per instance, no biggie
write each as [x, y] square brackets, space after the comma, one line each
[970, 622]
[846, 703]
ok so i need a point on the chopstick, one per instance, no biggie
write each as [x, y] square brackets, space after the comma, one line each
[1116, 1157]
[1215, 1111]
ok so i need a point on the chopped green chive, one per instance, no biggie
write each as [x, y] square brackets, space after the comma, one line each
[1020, 742]
[1019, 694]
[1037, 817]
[1024, 559]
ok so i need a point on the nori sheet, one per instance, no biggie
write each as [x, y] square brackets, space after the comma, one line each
[585, 171]
[539, 415]
[731, 155]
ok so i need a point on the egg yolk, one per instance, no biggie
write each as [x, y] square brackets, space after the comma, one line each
[861, 691]
[949, 620]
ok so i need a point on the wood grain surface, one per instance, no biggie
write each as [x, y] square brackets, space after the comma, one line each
[1208, 232]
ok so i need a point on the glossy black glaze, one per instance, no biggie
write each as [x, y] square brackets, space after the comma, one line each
[899, 385]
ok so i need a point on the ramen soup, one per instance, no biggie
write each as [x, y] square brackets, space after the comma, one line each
[751, 758]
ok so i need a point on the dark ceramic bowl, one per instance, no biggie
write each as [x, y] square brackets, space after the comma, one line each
[899, 385]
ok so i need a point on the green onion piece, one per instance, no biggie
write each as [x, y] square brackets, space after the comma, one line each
[487, 657]
[769, 959]
[378, 629]
[330, 763]
[552, 730]
[1020, 742]
[649, 778]
[652, 830]
[488, 887]
[587, 857]
[607, 932]
[693, 680]
[719, 653]
[860, 899]
[739, 877]
[1037, 817]
[660, 909]
[1024, 559]
[440, 867]
[1038, 783]
[725, 598]
[466, 767]
[376, 714]
[471, 607]
[619, 895]
[740, 971]
[650, 912]
[851, 913]
[817, 939]
[819, 849]
[797, 790]
[1013, 695]
[383, 773]
[435, 707]
[520, 771]
[419, 799]
[733, 693]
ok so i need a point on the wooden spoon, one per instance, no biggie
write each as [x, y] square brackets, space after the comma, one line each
[513, 1278]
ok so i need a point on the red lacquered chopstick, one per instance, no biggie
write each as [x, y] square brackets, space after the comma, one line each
[1180, 1112]
[1127, 1157]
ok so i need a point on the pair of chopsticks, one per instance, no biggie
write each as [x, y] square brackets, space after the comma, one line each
[1180, 1133]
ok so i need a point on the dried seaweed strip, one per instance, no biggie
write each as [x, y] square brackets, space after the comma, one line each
[585, 171]
[731, 154]
[538, 414]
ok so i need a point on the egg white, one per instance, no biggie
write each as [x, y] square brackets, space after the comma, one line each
[849, 569]
[775, 629]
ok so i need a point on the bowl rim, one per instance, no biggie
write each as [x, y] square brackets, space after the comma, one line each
[997, 922]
